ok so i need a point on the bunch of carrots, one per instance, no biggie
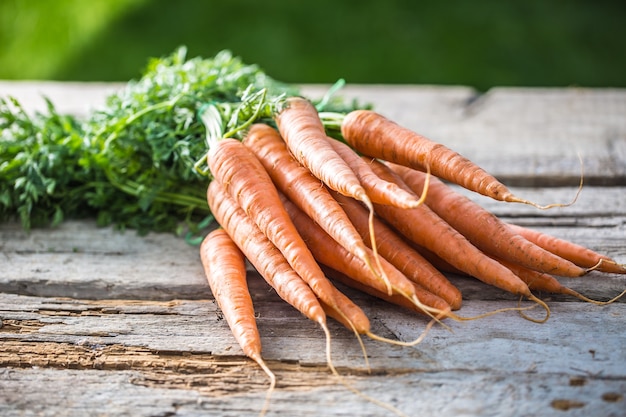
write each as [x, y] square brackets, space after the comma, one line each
[309, 195]
[370, 208]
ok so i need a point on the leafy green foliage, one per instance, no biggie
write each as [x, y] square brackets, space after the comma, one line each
[133, 163]
[149, 137]
[42, 174]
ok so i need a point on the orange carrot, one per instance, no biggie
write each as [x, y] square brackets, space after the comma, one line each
[328, 252]
[267, 259]
[225, 270]
[377, 189]
[398, 252]
[434, 259]
[349, 314]
[425, 228]
[577, 254]
[426, 297]
[483, 229]
[302, 130]
[540, 281]
[273, 266]
[374, 135]
[246, 181]
[262, 254]
[302, 188]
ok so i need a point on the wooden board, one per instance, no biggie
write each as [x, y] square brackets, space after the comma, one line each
[99, 322]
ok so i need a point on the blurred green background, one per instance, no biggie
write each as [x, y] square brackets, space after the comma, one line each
[476, 43]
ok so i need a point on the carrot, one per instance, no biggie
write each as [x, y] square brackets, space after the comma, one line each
[377, 189]
[483, 229]
[267, 259]
[425, 228]
[398, 252]
[262, 254]
[302, 188]
[303, 132]
[426, 297]
[577, 254]
[540, 281]
[374, 135]
[274, 268]
[394, 299]
[328, 252]
[246, 181]
[225, 270]
[435, 260]
[349, 314]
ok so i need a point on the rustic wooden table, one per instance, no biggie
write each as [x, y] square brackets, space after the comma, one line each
[101, 323]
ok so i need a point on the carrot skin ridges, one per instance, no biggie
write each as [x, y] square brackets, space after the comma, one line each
[262, 254]
[399, 253]
[301, 187]
[434, 259]
[577, 254]
[437, 236]
[536, 280]
[376, 136]
[377, 189]
[305, 136]
[333, 255]
[425, 228]
[245, 179]
[298, 183]
[425, 297]
[483, 228]
[225, 270]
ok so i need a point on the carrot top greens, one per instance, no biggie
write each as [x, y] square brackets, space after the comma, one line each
[135, 161]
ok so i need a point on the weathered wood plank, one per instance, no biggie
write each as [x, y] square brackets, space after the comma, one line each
[195, 326]
[526, 137]
[535, 136]
[51, 392]
[77, 98]
[81, 260]
[163, 354]
[130, 393]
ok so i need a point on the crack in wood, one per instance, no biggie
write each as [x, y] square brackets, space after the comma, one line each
[203, 372]
[20, 326]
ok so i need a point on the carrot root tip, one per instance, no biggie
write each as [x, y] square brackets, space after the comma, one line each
[270, 390]
[413, 342]
[542, 304]
[514, 199]
[596, 302]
